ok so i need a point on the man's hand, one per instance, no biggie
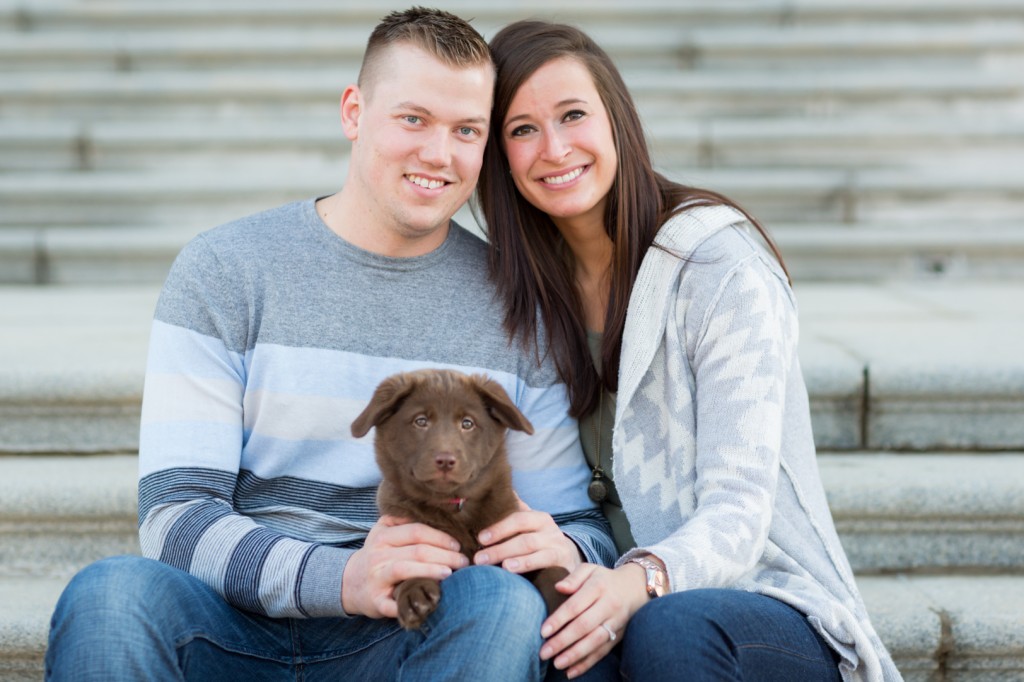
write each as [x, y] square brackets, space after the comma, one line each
[526, 541]
[395, 550]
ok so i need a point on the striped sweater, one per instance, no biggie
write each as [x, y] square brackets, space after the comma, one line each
[269, 338]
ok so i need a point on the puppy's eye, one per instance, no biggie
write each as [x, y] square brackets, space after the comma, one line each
[467, 424]
[420, 421]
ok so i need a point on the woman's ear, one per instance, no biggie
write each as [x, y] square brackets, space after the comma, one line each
[351, 109]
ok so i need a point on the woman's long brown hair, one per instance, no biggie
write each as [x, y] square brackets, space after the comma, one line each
[529, 262]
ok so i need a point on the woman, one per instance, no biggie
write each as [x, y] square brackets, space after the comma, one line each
[676, 333]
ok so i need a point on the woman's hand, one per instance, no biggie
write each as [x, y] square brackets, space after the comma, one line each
[395, 550]
[525, 541]
[586, 627]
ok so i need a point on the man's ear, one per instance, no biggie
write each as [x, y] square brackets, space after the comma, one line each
[351, 109]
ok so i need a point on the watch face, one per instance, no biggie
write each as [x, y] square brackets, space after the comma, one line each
[656, 578]
[659, 582]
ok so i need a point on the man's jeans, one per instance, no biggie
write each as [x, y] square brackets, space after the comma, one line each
[130, 618]
[720, 635]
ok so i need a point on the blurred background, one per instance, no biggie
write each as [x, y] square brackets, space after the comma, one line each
[876, 138]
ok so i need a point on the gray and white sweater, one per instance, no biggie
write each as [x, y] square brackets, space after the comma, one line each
[269, 338]
[714, 459]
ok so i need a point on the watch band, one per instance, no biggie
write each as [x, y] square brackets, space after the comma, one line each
[657, 577]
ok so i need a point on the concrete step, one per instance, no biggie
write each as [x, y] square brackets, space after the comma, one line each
[935, 513]
[313, 93]
[842, 45]
[889, 251]
[853, 143]
[964, 628]
[983, 44]
[943, 514]
[203, 197]
[840, 142]
[72, 367]
[879, 252]
[125, 14]
[913, 365]
[60, 513]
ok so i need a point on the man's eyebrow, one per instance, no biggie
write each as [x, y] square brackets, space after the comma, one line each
[564, 102]
[420, 109]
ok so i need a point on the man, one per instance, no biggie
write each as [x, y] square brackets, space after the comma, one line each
[266, 559]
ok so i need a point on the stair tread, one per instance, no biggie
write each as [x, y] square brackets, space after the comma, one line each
[973, 621]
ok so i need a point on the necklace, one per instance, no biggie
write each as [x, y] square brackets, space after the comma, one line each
[598, 488]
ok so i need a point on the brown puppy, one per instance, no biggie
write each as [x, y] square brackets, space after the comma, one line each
[440, 446]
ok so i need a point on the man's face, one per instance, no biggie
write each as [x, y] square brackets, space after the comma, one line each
[418, 129]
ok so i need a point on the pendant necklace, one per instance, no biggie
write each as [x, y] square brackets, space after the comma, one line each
[598, 488]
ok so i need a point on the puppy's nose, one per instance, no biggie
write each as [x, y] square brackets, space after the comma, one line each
[445, 461]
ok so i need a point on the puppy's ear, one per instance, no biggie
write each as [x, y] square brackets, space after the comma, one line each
[499, 405]
[384, 403]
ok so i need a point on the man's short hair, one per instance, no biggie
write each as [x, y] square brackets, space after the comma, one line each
[446, 37]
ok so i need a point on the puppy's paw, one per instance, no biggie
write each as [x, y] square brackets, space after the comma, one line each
[544, 580]
[416, 599]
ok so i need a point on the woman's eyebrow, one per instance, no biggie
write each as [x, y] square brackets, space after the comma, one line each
[571, 100]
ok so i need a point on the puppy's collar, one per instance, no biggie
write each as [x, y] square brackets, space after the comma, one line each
[457, 503]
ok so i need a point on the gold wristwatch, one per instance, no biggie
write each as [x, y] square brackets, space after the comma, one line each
[657, 577]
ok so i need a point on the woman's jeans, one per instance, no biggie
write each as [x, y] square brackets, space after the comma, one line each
[130, 618]
[720, 635]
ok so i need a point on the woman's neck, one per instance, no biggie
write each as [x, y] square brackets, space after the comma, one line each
[592, 250]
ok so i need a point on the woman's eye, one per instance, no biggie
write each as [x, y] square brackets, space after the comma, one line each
[574, 115]
[420, 421]
[467, 424]
[520, 131]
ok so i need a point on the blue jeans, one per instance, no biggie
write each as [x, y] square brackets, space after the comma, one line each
[130, 618]
[723, 635]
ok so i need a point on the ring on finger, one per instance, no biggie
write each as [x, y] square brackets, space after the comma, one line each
[611, 633]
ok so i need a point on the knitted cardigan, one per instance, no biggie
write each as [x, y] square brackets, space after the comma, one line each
[713, 455]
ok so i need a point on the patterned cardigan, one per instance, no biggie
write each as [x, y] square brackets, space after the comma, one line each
[713, 453]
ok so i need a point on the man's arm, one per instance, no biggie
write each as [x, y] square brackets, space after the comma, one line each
[191, 440]
[259, 542]
[550, 472]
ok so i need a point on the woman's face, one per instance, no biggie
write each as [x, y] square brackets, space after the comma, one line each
[559, 143]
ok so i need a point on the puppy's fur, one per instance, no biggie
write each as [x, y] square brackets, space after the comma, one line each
[440, 446]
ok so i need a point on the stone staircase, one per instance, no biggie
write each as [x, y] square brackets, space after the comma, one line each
[882, 142]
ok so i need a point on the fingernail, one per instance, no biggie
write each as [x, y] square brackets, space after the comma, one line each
[545, 653]
[444, 571]
[463, 561]
[512, 564]
[481, 558]
[454, 546]
[485, 537]
[545, 630]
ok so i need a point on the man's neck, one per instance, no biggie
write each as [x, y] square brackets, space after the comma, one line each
[361, 228]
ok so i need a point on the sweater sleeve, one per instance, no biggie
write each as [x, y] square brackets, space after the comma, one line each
[740, 347]
[191, 438]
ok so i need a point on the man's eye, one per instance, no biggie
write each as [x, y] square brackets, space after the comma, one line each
[412, 119]
[467, 131]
